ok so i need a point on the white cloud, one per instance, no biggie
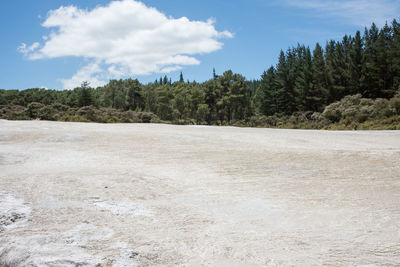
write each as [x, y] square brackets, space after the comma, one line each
[125, 38]
[91, 73]
[357, 12]
[27, 49]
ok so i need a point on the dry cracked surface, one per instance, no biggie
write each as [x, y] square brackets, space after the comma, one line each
[76, 194]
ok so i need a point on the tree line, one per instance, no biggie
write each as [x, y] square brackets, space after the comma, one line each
[309, 80]
[304, 79]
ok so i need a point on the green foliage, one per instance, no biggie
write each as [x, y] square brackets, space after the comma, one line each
[34, 109]
[202, 113]
[395, 105]
[268, 92]
[148, 117]
[285, 95]
[47, 113]
[318, 94]
[349, 84]
[13, 112]
[357, 109]
[85, 95]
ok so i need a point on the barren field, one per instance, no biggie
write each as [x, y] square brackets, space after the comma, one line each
[76, 194]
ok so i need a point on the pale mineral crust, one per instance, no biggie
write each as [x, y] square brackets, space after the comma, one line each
[86, 194]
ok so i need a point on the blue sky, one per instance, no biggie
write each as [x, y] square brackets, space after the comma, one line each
[58, 44]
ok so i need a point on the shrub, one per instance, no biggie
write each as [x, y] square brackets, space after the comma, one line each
[13, 112]
[395, 105]
[264, 121]
[47, 113]
[131, 116]
[148, 117]
[88, 112]
[381, 108]
[59, 107]
[332, 114]
[357, 109]
[34, 109]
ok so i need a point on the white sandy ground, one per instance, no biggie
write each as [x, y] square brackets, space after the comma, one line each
[76, 194]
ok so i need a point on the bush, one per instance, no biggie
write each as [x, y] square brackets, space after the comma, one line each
[89, 113]
[59, 107]
[148, 117]
[381, 109]
[357, 109]
[263, 121]
[34, 109]
[238, 123]
[332, 112]
[13, 112]
[47, 113]
[395, 105]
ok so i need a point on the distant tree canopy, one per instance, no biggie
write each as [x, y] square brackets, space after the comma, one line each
[304, 79]
[309, 80]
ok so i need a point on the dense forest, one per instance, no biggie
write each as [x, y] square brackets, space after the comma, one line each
[349, 84]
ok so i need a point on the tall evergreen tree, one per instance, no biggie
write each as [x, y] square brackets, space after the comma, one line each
[394, 54]
[338, 69]
[304, 78]
[284, 89]
[384, 62]
[211, 99]
[215, 76]
[164, 107]
[134, 99]
[370, 76]
[268, 89]
[165, 80]
[356, 64]
[318, 95]
[85, 96]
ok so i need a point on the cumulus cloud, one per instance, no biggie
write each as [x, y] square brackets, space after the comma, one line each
[124, 38]
[358, 12]
[91, 73]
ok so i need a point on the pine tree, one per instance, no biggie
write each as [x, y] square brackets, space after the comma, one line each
[181, 78]
[134, 99]
[215, 76]
[338, 68]
[395, 55]
[356, 64]
[164, 110]
[318, 95]
[303, 78]
[211, 100]
[268, 89]
[370, 76]
[85, 97]
[384, 64]
[284, 91]
[293, 64]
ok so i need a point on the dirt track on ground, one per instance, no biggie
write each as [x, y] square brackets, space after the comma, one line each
[148, 195]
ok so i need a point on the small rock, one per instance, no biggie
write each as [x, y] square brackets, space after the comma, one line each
[133, 255]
